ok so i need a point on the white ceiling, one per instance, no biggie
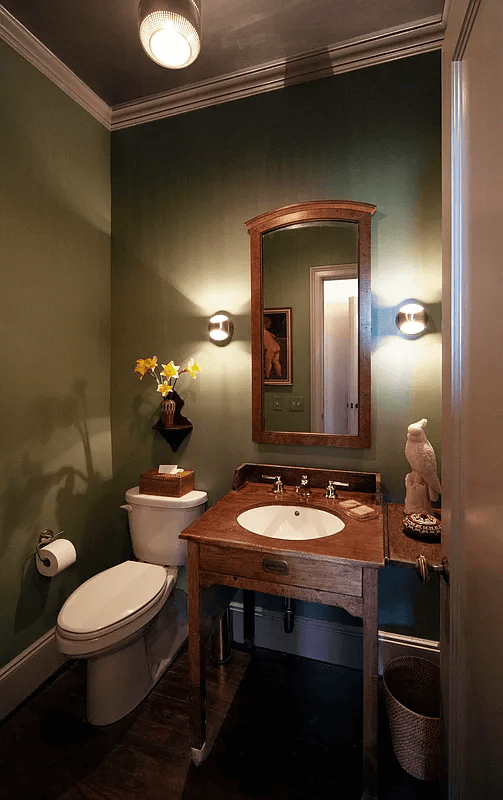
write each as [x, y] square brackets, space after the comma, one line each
[97, 40]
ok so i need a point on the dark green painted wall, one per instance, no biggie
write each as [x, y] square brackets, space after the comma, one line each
[182, 190]
[55, 453]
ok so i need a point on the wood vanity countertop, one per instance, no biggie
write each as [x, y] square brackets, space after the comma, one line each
[403, 550]
[360, 541]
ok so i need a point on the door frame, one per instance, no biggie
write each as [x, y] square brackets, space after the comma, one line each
[459, 17]
[317, 276]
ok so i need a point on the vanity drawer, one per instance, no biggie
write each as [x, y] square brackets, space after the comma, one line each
[329, 576]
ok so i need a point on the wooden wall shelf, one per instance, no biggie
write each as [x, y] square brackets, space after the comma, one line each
[181, 428]
[175, 435]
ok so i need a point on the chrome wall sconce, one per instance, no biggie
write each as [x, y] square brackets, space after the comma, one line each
[170, 31]
[221, 328]
[412, 319]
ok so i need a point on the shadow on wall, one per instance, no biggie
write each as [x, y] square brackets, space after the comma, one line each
[384, 321]
[80, 505]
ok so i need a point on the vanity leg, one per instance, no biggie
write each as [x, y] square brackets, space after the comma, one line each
[220, 639]
[197, 671]
[248, 618]
[370, 682]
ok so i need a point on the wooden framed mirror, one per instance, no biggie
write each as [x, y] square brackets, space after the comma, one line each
[310, 323]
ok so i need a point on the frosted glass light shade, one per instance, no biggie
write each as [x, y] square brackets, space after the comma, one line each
[220, 328]
[412, 319]
[170, 31]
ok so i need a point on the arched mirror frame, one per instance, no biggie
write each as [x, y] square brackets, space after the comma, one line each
[333, 210]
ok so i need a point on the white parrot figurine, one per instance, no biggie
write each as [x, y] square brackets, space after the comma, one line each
[422, 484]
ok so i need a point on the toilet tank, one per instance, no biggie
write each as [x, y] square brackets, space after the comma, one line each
[155, 522]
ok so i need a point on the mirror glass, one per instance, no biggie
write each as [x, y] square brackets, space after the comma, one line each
[310, 298]
[310, 318]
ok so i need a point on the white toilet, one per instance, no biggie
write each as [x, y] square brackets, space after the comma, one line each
[131, 620]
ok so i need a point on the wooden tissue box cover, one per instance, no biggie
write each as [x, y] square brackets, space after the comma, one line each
[152, 482]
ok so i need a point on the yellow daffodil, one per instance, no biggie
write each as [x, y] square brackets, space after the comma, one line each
[192, 368]
[144, 365]
[151, 363]
[169, 374]
[164, 388]
[170, 370]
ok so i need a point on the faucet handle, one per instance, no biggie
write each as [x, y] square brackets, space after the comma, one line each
[304, 488]
[331, 491]
[278, 484]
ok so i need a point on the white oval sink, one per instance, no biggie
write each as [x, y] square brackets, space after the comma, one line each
[290, 522]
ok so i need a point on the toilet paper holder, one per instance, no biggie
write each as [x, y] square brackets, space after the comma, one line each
[46, 537]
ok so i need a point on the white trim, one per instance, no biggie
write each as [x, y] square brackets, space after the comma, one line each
[394, 645]
[316, 348]
[28, 46]
[317, 275]
[327, 641]
[387, 45]
[420, 36]
[457, 464]
[27, 671]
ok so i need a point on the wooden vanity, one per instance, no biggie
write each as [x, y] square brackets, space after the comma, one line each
[339, 570]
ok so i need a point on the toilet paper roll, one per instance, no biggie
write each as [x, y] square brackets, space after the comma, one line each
[55, 557]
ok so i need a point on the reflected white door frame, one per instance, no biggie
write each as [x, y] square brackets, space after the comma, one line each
[318, 275]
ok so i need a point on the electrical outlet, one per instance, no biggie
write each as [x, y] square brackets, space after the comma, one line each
[277, 402]
[296, 403]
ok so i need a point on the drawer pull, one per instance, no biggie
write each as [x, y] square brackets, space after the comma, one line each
[276, 565]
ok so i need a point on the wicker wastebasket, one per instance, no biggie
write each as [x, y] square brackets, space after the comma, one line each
[412, 690]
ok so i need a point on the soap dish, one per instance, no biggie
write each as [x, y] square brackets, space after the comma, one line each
[347, 504]
[362, 512]
[422, 526]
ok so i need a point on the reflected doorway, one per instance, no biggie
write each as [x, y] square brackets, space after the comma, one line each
[334, 349]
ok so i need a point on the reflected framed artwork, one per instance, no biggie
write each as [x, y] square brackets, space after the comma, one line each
[277, 346]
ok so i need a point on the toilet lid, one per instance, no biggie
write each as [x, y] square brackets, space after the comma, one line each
[112, 596]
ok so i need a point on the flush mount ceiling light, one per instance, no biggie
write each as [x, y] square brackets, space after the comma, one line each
[220, 328]
[170, 31]
[412, 319]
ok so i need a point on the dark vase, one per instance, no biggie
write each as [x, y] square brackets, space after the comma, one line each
[171, 408]
[168, 409]
[172, 425]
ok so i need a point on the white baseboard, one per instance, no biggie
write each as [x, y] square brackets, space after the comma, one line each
[393, 645]
[25, 673]
[311, 638]
[327, 641]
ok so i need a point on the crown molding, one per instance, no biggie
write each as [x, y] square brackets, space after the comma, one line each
[28, 46]
[387, 45]
[391, 44]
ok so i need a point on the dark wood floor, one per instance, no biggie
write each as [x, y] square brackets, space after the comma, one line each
[284, 728]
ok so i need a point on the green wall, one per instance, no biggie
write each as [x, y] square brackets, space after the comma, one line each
[183, 188]
[55, 454]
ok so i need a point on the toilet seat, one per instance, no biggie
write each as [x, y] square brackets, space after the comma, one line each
[108, 608]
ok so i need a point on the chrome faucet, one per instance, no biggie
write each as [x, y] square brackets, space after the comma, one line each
[278, 484]
[304, 489]
[331, 491]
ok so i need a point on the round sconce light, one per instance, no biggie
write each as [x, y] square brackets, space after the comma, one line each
[170, 31]
[412, 319]
[221, 328]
